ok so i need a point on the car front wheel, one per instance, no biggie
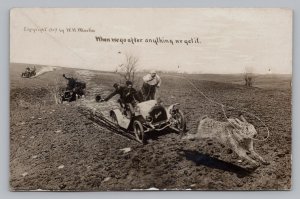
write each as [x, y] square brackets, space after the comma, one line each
[139, 131]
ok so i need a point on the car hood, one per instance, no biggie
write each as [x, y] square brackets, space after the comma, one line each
[145, 107]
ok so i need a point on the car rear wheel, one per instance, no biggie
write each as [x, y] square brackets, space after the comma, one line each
[139, 131]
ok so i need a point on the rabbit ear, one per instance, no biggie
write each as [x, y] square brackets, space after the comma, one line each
[242, 118]
[234, 123]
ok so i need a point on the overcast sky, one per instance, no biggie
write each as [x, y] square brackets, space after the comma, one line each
[231, 40]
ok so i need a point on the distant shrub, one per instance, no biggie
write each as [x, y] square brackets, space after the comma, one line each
[249, 79]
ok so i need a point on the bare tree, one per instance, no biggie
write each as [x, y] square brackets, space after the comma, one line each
[128, 69]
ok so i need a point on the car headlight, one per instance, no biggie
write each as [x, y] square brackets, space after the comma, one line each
[173, 109]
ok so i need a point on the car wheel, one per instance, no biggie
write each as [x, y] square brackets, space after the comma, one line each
[139, 131]
[180, 119]
[113, 118]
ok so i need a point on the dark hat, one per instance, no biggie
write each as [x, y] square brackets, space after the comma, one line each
[98, 98]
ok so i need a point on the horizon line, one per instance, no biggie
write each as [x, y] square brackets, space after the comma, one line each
[163, 71]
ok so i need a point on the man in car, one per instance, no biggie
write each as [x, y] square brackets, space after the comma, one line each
[128, 96]
[118, 90]
[151, 83]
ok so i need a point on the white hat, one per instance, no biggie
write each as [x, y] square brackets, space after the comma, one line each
[152, 72]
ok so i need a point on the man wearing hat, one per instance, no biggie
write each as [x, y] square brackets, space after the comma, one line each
[128, 96]
[151, 82]
[118, 90]
[71, 82]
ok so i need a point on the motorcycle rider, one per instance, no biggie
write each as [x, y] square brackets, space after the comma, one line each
[71, 82]
[151, 83]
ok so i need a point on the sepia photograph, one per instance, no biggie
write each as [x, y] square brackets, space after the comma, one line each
[140, 99]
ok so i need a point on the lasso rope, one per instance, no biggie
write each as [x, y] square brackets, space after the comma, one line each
[231, 107]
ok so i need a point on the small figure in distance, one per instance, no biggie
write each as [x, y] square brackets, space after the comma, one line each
[71, 82]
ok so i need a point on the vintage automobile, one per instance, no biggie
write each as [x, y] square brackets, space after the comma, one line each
[149, 116]
[71, 95]
[29, 72]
